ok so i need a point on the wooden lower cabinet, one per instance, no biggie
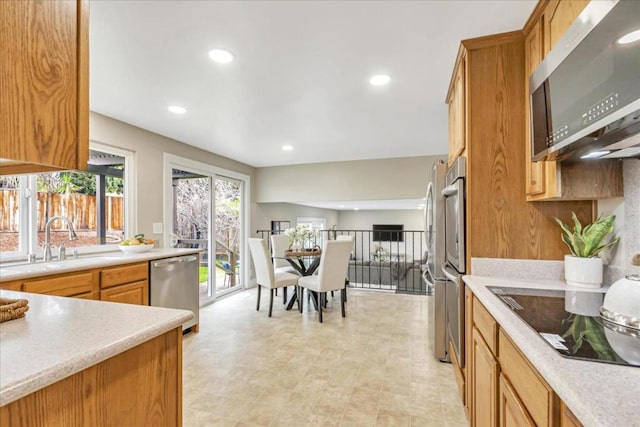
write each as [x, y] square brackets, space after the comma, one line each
[11, 286]
[139, 387]
[89, 295]
[64, 285]
[132, 293]
[512, 411]
[503, 388]
[567, 419]
[127, 283]
[484, 382]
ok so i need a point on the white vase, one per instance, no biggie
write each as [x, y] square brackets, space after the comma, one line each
[583, 272]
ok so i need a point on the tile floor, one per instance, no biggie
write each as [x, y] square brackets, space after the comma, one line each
[373, 368]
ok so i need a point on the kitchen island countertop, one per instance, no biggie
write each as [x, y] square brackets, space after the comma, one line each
[598, 394]
[60, 336]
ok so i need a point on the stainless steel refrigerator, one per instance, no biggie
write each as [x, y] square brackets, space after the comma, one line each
[434, 240]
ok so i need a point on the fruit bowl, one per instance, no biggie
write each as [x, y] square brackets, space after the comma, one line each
[135, 249]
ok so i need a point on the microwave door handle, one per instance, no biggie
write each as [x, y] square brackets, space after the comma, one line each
[450, 190]
[448, 275]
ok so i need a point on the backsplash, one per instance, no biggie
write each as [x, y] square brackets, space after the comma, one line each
[627, 213]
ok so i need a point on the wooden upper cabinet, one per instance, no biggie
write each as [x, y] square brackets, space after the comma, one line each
[552, 180]
[44, 107]
[533, 57]
[558, 17]
[456, 101]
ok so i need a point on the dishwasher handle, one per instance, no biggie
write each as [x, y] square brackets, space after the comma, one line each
[176, 260]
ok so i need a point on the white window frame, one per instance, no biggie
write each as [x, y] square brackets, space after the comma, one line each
[171, 162]
[27, 210]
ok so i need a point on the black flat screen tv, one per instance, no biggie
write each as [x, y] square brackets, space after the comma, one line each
[388, 233]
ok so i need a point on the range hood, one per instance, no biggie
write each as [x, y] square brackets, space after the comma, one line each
[585, 96]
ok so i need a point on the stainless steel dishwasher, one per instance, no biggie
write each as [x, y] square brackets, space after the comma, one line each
[174, 284]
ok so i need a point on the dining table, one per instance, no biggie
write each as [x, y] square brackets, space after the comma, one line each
[305, 262]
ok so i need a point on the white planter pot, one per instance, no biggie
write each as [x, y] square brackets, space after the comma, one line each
[583, 272]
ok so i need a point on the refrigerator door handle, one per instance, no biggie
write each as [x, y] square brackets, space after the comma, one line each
[449, 275]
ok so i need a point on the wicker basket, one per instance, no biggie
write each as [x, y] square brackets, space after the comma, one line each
[12, 308]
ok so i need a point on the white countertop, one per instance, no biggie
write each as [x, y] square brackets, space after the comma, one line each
[9, 272]
[599, 394]
[61, 336]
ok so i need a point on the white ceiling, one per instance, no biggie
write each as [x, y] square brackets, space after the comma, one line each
[300, 76]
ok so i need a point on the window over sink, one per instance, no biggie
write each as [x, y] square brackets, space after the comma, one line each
[94, 201]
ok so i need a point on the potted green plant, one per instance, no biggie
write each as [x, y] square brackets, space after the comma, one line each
[583, 267]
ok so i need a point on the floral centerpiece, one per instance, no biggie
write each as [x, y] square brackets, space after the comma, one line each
[302, 237]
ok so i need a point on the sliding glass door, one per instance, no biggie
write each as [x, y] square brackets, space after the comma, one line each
[205, 208]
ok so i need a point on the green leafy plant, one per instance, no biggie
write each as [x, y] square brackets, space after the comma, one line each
[587, 241]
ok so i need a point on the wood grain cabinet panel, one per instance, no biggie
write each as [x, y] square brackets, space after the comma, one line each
[533, 48]
[468, 350]
[486, 325]
[484, 383]
[95, 295]
[65, 285]
[512, 411]
[567, 418]
[127, 284]
[140, 387]
[457, 106]
[132, 293]
[124, 274]
[535, 394]
[11, 286]
[558, 17]
[44, 107]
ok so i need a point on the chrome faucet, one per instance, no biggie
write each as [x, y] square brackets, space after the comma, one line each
[47, 235]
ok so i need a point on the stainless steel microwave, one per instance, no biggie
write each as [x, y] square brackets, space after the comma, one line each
[585, 96]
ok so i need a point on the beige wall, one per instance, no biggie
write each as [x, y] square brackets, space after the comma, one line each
[383, 179]
[149, 149]
[264, 213]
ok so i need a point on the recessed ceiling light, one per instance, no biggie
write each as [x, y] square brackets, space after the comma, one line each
[380, 80]
[341, 206]
[287, 148]
[356, 209]
[220, 56]
[176, 109]
[633, 36]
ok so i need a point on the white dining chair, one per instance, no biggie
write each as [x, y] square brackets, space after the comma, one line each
[331, 273]
[279, 244]
[265, 273]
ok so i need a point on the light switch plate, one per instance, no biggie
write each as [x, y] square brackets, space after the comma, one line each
[157, 228]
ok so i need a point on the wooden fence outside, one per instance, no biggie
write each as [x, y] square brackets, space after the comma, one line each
[79, 208]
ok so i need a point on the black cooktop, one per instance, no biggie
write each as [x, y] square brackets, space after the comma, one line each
[570, 322]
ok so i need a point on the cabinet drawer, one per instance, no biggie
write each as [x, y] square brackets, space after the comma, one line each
[133, 293]
[11, 286]
[485, 324]
[120, 275]
[536, 395]
[65, 286]
[89, 295]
